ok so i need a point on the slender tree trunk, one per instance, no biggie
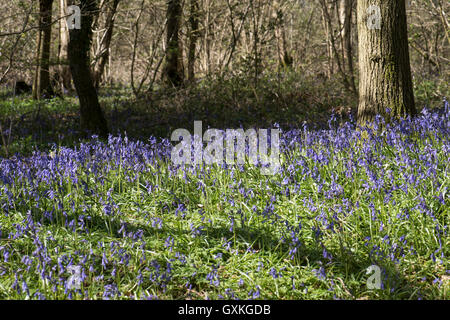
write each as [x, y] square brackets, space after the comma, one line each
[333, 49]
[105, 43]
[284, 58]
[173, 70]
[41, 85]
[193, 37]
[207, 38]
[255, 10]
[64, 70]
[326, 8]
[345, 14]
[92, 117]
[385, 74]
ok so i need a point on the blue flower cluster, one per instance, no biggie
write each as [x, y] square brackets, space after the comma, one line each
[131, 220]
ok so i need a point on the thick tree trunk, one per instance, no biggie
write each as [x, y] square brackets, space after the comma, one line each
[193, 37]
[173, 71]
[64, 69]
[41, 85]
[105, 43]
[92, 117]
[385, 74]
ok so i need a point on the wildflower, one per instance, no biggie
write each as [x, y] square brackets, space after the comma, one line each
[273, 273]
[255, 294]
[320, 273]
[110, 291]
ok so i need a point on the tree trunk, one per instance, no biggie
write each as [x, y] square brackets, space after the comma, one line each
[284, 58]
[64, 69]
[193, 37]
[92, 117]
[345, 17]
[334, 56]
[385, 73]
[326, 9]
[173, 71]
[41, 85]
[105, 43]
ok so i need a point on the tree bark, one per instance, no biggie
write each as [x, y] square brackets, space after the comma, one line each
[385, 74]
[173, 71]
[41, 85]
[92, 118]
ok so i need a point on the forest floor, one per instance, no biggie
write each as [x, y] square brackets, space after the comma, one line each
[289, 100]
[117, 220]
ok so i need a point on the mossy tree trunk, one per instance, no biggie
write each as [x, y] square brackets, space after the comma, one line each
[41, 84]
[384, 67]
[173, 70]
[92, 117]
